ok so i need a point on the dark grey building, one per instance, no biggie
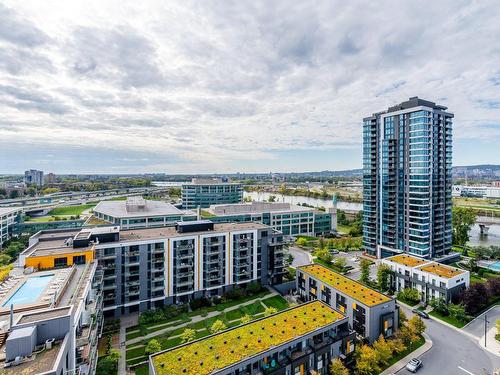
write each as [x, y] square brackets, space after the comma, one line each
[206, 192]
[407, 180]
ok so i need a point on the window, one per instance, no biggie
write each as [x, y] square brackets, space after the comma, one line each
[60, 262]
[79, 259]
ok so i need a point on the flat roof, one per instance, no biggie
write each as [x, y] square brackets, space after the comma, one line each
[352, 288]
[171, 232]
[442, 270]
[151, 208]
[43, 362]
[255, 208]
[227, 348]
[407, 260]
[8, 210]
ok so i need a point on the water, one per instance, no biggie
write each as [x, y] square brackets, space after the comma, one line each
[316, 202]
[493, 237]
[29, 291]
[495, 266]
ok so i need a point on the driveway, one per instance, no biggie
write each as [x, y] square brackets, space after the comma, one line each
[300, 257]
[453, 353]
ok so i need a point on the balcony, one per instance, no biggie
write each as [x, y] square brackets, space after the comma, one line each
[184, 255]
[186, 282]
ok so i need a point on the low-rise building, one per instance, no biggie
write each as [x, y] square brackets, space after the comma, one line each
[137, 212]
[151, 267]
[206, 192]
[431, 279]
[370, 313]
[294, 341]
[50, 321]
[290, 219]
[9, 216]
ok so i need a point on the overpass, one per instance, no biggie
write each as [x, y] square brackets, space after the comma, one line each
[485, 222]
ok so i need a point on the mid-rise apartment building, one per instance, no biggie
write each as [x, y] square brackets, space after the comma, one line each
[431, 279]
[34, 177]
[407, 180]
[370, 313]
[150, 267]
[137, 212]
[206, 192]
[293, 342]
[9, 216]
[291, 220]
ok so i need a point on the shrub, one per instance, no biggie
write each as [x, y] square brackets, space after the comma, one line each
[152, 347]
[234, 294]
[188, 335]
[253, 288]
[198, 303]
[270, 311]
[217, 326]
[409, 295]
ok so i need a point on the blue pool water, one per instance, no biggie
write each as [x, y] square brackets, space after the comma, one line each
[494, 266]
[29, 291]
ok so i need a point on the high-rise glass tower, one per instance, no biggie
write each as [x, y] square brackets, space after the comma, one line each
[407, 180]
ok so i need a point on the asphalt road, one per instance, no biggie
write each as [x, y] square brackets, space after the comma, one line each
[300, 257]
[454, 353]
[476, 327]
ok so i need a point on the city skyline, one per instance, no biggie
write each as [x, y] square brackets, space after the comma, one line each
[228, 87]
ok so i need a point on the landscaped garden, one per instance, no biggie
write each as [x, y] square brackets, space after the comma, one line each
[173, 325]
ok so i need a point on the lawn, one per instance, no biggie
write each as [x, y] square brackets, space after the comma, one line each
[448, 319]
[276, 301]
[71, 210]
[142, 370]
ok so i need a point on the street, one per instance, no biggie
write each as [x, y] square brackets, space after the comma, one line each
[300, 257]
[453, 353]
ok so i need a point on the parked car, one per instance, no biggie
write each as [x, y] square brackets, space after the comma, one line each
[414, 365]
[421, 313]
[334, 252]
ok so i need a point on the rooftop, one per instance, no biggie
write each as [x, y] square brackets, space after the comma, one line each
[8, 210]
[407, 260]
[39, 363]
[354, 289]
[255, 208]
[209, 181]
[227, 348]
[441, 270]
[137, 208]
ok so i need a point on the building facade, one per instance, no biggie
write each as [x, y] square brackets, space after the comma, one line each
[34, 177]
[369, 312]
[488, 192]
[407, 180]
[206, 192]
[293, 342]
[291, 220]
[9, 217]
[432, 280]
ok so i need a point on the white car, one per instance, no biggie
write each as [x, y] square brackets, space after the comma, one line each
[414, 365]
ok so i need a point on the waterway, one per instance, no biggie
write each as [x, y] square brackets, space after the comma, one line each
[476, 239]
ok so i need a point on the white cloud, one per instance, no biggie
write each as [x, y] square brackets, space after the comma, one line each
[224, 83]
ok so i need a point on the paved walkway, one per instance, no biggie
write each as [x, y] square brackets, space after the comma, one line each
[195, 319]
[125, 322]
[416, 353]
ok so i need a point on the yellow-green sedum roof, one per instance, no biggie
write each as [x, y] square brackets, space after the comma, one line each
[441, 270]
[407, 260]
[353, 289]
[229, 347]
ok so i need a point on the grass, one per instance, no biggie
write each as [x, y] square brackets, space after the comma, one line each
[448, 319]
[133, 335]
[344, 228]
[142, 370]
[206, 214]
[276, 301]
[135, 352]
[71, 210]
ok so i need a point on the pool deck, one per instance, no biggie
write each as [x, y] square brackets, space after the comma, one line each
[493, 265]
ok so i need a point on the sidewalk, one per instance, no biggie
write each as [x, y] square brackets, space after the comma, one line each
[416, 353]
[492, 344]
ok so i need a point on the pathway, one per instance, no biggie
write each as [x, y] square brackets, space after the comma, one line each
[125, 322]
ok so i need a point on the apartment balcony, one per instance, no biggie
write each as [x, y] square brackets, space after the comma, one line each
[158, 251]
[213, 251]
[183, 255]
[182, 274]
[109, 286]
[132, 253]
[184, 289]
[185, 247]
[132, 283]
[132, 292]
[157, 287]
[185, 282]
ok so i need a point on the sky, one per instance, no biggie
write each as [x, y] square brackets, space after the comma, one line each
[236, 86]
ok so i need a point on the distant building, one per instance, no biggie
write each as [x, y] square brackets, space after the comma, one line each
[50, 178]
[14, 189]
[298, 340]
[431, 279]
[291, 220]
[407, 180]
[9, 216]
[489, 192]
[34, 177]
[136, 212]
[206, 192]
[370, 313]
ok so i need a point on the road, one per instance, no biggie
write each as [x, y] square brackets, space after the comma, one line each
[454, 353]
[476, 327]
[300, 257]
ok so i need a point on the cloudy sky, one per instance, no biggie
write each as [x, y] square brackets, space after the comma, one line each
[226, 86]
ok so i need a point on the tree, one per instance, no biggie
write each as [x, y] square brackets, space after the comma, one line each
[108, 364]
[188, 335]
[457, 312]
[416, 325]
[439, 304]
[301, 241]
[272, 198]
[323, 254]
[270, 311]
[367, 360]
[338, 368]
[402, 317]
[406, 335]
[463, 218]
[340, 262]
[218, 326]
[409, 295]
[475, 298]
[246, 319]
[365, 271]
[383, 349]
[153, 346]
[383, 273]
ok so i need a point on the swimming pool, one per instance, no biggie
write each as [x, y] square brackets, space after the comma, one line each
[29, 291]
[495, 266]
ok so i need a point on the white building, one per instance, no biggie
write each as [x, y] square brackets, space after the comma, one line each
[431, 279]
[34, 177]
[8, 217]
[490, 192]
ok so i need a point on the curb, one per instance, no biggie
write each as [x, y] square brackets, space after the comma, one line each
[403, 361]
[477, 317]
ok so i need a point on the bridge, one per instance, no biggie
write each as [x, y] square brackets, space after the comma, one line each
[485, 222]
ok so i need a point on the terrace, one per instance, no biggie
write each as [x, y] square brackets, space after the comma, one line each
[353, 289]
[227, 348]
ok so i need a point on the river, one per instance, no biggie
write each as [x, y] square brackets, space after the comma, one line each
[493, 237]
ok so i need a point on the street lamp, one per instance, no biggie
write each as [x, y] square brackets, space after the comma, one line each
[486, 321]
